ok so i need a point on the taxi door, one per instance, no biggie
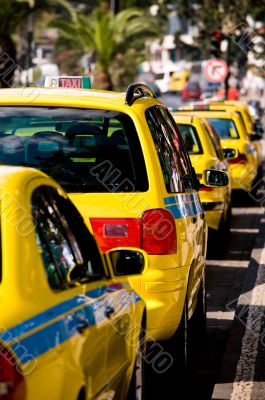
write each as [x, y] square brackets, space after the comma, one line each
[119, 311]
[81, 330]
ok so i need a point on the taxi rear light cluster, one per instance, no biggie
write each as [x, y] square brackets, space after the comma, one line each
[117, 232]
[155, 232]
[241, 159]
[204, 188]
[159, 232]
[12, 382]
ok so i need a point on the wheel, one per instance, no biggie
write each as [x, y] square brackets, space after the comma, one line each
[182, 340]
[136, 389]
[197, 328]
[178, 347]
[198, 320]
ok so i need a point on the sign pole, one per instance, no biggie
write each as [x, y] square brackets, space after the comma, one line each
[228, 64]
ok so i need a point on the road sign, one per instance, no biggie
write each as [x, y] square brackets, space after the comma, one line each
[216, 70]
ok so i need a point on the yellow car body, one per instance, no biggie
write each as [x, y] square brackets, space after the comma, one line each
[178, 81]
[61, 336]
[126, 206]
[206, 153]
[243, 169]
[242, 109]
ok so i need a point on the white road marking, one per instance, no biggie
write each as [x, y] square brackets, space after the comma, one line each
[244, 380]
[229, 315]
[245, 230]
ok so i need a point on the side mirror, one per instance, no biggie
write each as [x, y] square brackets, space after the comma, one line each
[213, 178]
[230, 154]
[127, 261]
[258, 128]
[255, 136]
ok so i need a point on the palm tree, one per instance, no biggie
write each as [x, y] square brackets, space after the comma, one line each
[108, 35]
[14, 13]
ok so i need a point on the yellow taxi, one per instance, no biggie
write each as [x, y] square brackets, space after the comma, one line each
[228, 125]
[178, 81]
[242, 109]
[123, 162]
[71, 326]
[205, 151]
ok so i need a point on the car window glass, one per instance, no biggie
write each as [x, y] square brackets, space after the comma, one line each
[85, 150]
[214, 138]
[191, 139]
[225, 128]
[166, 153]
[63, 239]
[177, 142]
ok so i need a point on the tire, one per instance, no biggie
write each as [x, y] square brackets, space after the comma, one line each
[179, 346]
[198, 320]
[137, 387]
[197, 326]
[190, 334]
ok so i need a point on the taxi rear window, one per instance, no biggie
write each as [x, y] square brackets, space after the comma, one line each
[225, 128]
[85, 150]
[191, 139]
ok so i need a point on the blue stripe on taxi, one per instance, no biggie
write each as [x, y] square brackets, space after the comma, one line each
[63, 329]
[185, 205]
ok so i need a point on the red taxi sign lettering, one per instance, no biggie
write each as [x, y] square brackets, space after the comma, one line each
[70, 82]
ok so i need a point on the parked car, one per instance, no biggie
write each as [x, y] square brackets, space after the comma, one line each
[71, 327]
[205, 151]
[192, 91]
[232, 133]
[123, 162]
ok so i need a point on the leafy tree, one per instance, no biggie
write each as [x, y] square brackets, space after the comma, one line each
[109, 35]
[14, 13]
[225, 16]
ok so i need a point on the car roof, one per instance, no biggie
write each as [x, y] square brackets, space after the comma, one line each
[186, 119]
[210, 113]
[36, 96]
[18, 174]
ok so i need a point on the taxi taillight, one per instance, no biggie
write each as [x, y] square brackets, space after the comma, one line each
[206, 188]
[12, 382]
[117, 232]
[159, 232]
[155, 232]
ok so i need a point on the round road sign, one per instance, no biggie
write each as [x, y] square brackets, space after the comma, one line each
[216, 70]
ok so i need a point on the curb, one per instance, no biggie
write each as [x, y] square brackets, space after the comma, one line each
[242, 373]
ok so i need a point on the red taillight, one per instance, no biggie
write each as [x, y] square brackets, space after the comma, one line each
[155, 232]
[12, 383]
[159, 232]
[206, 189]
[117, 232]
[241, 159]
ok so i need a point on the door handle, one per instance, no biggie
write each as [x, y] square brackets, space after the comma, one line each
[194, 220]
[82, 326]
[109, 311]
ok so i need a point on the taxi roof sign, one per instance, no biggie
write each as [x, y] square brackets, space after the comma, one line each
[70, 82]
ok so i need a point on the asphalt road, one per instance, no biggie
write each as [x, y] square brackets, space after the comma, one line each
[225, 272]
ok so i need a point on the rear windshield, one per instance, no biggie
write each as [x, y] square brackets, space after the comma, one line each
[85, 150]
[191, 139]
[225, 128]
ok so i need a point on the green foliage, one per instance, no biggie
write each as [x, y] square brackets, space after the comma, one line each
[109, 35]
[14, 12]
